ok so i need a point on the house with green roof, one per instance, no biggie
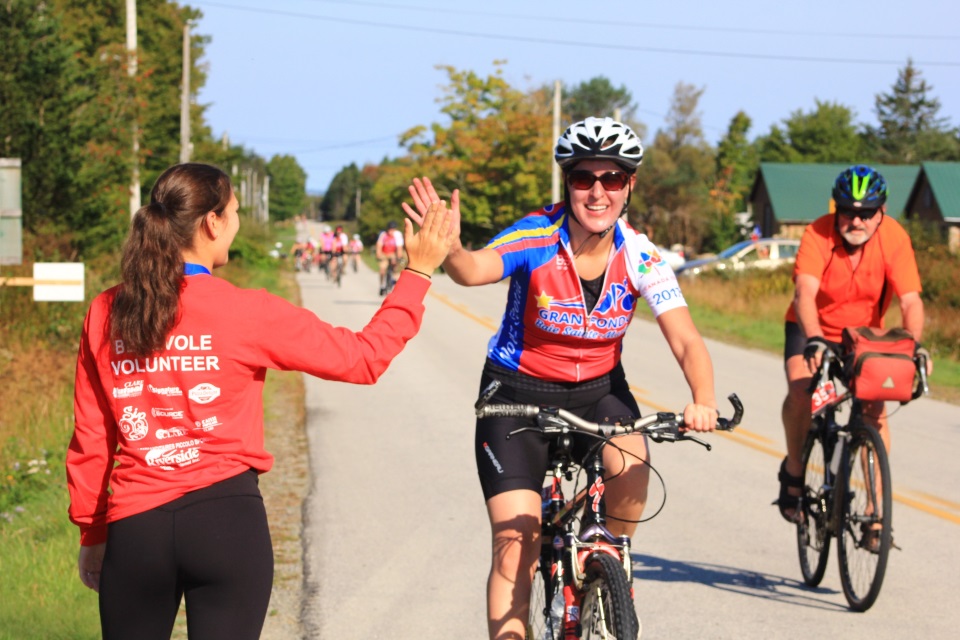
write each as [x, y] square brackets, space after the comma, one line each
[786, 197]
[935, 198]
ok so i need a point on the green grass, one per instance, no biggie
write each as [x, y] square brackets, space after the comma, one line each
[41, 595]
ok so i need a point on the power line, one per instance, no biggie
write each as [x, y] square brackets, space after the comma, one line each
[576, 44]
[846, 35]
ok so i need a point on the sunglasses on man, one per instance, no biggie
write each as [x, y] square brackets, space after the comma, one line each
[863, 214]
[610, 181]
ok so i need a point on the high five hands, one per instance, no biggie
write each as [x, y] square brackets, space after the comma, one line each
[427, 249]
[424, 195]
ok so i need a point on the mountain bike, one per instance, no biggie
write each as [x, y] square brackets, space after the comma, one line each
[847, 489]
[582, 583]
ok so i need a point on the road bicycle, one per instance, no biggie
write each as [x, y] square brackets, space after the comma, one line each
[338, 264]
[582, 583]
[390, 279]
[847, 489]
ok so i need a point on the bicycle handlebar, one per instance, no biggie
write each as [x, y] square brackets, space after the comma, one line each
[831, 361]
[660, 427]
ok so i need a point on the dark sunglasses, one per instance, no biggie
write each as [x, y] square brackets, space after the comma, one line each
[610, 181]
[863, 214]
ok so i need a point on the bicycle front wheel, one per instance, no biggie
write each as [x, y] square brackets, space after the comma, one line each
[545, 621]
[813, 534]
[606, 610]
[864, 513]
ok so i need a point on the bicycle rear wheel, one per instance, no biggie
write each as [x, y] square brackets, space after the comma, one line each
[606, 610]
[545, 621]
[865, 517]
[813, 535]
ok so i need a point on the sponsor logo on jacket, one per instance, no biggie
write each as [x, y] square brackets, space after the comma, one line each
[204, 393]
[130, 389]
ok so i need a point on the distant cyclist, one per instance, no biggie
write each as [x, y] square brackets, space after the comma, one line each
[577, 272]
[355, 249]
[849, 266]
[389, 245]
[338, 250]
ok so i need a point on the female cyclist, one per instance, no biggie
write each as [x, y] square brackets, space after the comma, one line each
[168, 439]
[576, 271]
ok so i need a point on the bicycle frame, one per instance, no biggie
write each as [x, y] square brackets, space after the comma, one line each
[568, 551]
[852, 501]
[587, 564]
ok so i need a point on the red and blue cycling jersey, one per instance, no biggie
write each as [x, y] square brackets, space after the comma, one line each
[547, 331]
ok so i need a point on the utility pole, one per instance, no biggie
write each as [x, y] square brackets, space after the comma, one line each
[555, 182]
[185, 147]
[357, 208]
[132, 72]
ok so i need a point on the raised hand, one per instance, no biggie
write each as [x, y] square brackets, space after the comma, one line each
[427, 248]
[423, 194]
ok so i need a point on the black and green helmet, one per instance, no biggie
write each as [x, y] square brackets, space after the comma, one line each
[860, 187]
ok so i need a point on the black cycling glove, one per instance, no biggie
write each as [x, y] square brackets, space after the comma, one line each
[815, 345]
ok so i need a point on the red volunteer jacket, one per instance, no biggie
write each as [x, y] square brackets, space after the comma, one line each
[152, 429]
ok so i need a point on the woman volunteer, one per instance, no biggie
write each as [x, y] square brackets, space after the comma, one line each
[168, 441]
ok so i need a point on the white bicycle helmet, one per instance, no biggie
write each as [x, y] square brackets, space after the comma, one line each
[599, 138]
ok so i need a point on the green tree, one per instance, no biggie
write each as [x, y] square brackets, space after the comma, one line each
[288, 187]
[736, 167]
[911, 129]
[497, 149]
[597, 97]
[38, 72]
[826, 134]
[340, 200]
[674, 181]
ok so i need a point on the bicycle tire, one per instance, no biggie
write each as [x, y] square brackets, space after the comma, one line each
[545, 620]
[813, 532]
[863, 557]
[607, 610]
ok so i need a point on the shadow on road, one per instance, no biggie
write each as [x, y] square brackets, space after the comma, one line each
[749, 583]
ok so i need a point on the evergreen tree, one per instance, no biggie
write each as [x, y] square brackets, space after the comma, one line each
[910, 128]
[288, 187]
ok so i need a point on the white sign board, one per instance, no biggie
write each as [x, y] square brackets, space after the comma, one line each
[66, 280]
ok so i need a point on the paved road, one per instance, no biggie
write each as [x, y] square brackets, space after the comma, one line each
[396, 533]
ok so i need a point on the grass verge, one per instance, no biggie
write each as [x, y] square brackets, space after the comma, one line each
[40, 594]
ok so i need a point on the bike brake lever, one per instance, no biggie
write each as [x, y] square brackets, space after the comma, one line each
[706, 445]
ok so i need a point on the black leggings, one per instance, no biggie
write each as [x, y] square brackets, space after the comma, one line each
[211, 546]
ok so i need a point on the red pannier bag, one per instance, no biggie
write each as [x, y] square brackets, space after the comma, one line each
[879, 363]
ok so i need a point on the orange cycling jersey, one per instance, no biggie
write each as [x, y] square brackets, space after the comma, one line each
[851, 297]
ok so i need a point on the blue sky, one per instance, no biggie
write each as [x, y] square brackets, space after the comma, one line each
[337, 81]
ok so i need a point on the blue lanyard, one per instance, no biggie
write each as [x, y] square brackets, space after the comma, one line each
[192, 269]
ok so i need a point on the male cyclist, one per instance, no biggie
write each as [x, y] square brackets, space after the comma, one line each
[389, 244]
[849, 266]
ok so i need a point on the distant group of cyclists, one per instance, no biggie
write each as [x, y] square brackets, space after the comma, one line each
[334, 252]
[153, 445]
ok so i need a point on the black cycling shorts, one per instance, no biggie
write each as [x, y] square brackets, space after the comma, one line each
[522, 461]
[794, 341]
[211, 546]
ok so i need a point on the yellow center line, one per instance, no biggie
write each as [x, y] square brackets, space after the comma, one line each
[922, 501]
[463, 309]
